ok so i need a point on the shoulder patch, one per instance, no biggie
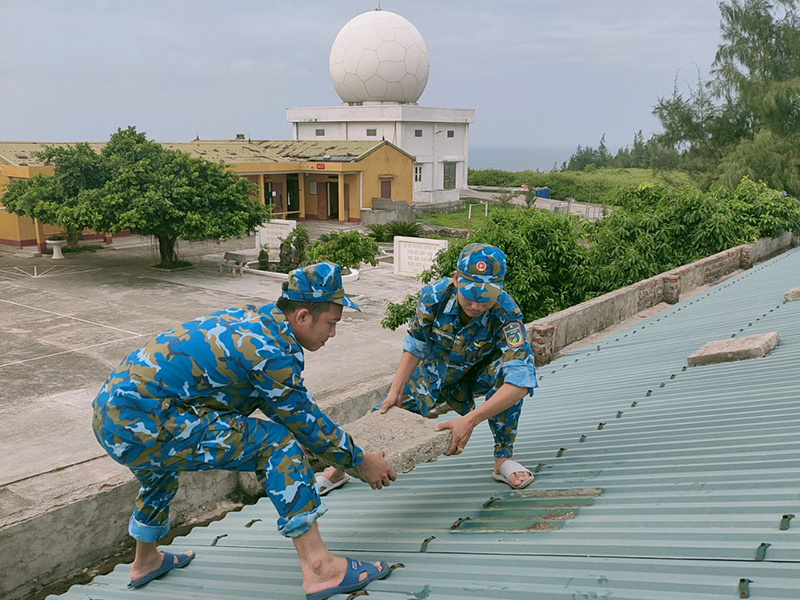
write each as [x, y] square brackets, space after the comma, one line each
[514, 334]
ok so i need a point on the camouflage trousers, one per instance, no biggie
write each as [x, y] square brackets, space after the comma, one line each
[430, 387]
[204, 440]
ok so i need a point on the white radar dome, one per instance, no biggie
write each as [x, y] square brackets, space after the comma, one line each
[379, 56]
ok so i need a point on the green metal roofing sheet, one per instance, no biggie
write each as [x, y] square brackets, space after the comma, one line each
[693, 468]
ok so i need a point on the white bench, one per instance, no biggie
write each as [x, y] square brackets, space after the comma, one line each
[233, 262]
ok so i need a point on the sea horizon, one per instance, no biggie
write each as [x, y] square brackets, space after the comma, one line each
[519, 158]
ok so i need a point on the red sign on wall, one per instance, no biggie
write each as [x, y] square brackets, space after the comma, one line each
[321, 166]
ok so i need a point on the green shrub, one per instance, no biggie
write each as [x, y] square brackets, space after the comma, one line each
[404, 228]
[348, 250]
[379, 232]
[400, 313]
[386, 232]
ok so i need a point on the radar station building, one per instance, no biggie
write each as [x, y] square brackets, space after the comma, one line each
[379, 67]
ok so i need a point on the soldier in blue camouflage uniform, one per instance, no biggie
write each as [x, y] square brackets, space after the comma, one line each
[182, 402]
[467, 340]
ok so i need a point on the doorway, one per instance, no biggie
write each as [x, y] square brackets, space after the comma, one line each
[449, 175]
[332, 189]
[293, 192]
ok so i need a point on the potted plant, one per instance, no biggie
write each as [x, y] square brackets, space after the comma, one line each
[55, 242]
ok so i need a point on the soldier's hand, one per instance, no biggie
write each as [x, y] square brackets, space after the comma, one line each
[460, 432]
[376, 471]
[390, 400]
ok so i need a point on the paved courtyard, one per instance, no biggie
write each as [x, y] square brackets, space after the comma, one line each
[65, 324]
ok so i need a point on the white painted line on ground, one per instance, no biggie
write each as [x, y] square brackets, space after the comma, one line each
[73, 318]
[27, 360]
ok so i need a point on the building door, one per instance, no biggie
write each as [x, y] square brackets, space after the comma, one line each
[332, 187]
[277, 196]
[293, 192]
[449, 175]
[386, 189]
[417, 178]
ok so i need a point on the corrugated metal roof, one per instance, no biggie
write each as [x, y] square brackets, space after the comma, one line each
[324, 150]
[696, 466]
[225, 152]
[20, 154]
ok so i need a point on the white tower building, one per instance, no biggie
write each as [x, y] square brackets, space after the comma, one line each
[379, 67]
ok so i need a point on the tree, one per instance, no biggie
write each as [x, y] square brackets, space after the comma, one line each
[751, 105]
[137, 185]
[170, 195]
[59, 199]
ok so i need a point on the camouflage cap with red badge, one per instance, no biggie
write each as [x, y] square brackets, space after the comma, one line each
[481, 271]
[321, 282]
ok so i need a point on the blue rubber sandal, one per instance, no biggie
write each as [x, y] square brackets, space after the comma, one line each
[350, 582]
[167, 565]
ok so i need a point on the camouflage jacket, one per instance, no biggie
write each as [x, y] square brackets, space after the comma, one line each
[237, 359]
[449, 349]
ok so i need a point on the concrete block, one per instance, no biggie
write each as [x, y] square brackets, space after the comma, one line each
[744, 348]
[792, 294]
[348, 404]
[407, 438]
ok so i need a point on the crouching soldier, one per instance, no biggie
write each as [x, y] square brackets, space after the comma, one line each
[182, 402]
[466, 340]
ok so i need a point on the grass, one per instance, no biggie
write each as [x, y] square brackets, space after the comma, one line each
[600, 186]
[458, 219]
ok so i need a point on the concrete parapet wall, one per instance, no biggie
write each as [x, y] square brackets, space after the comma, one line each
[767, 247]
[552, 333]
[60, 522]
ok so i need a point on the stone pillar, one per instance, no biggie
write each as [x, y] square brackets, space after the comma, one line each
[745, 260]
[543, 342]
[672, 288]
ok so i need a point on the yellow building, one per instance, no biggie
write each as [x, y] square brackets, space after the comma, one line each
[302, 179]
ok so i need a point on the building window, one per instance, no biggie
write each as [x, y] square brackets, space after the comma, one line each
[386, 189]
[418, 133]
[372, 132]
[417, 173]
[451, 133]
[312, 188]
[319, 132]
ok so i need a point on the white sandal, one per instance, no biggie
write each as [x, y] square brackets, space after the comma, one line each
[325, 485]
[507, 469]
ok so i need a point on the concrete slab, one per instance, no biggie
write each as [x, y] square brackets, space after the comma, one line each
[744, 348]
[408, 439]
[792, 294]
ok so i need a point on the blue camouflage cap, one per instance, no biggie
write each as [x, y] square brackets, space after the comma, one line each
[481, 270]
[321, 282]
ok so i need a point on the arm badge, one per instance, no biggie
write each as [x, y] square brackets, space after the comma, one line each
[514, 334]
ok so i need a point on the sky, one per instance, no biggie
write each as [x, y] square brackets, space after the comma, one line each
[545, 73]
